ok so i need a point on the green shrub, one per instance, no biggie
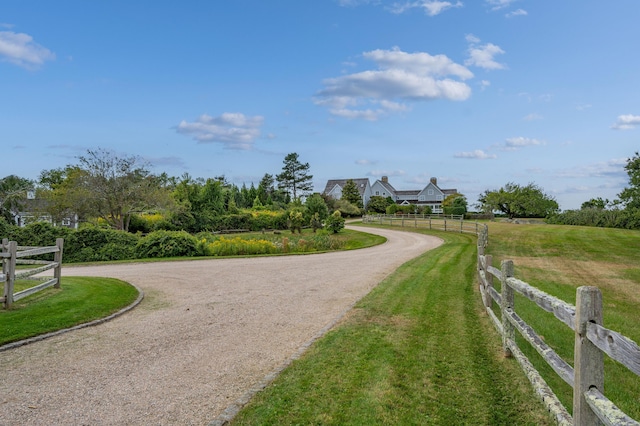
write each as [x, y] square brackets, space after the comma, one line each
[335, 222]
[167, 244]
[91, 244]
[628, 219]
[38, 234]
[6, 229]
[457, 210]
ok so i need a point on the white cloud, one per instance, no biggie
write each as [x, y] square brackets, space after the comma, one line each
[626, 122]
[511, 144]
[533, 116]
[400, 77]
[582, 107]
[478, 154]
[482, 56]
[420, 63]
[499, 4]
[21, 50]
[233, 130]
[431, 7]
[519, 12]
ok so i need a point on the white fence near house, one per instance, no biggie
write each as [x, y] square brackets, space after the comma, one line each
[12, 255]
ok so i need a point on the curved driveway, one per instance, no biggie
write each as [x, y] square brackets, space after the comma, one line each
[207, 332]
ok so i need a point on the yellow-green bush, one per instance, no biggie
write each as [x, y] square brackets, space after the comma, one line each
[237, 246]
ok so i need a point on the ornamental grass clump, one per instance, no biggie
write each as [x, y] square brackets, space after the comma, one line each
[238, 246]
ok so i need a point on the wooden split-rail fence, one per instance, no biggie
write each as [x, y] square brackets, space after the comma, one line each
[591, 342]
[12, 255]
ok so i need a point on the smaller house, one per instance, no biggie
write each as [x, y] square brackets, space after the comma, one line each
[34, 212]
[334, 187]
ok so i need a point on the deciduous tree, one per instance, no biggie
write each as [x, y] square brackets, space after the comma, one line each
[378, 204]
[118, 186]
[630, 196]
[519, 201]
[13, 193]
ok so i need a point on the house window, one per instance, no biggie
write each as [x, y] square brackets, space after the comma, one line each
[421, 198]
[430, 192]
[66, 222]
[384, 193]
[439, 197]
[377, 192]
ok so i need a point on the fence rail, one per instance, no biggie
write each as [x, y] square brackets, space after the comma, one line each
[453, 223]
[591, 339]
[13, 255]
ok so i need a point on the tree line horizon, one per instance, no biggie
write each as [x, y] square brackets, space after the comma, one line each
[117, 189]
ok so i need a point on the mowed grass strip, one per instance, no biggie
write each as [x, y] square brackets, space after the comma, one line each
[557, 259]
[417, 350]
[79, 300]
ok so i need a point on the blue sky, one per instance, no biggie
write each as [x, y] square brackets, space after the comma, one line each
[476, 93]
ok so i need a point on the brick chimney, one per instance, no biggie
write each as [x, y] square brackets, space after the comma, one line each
[434, 181]
[385, 179]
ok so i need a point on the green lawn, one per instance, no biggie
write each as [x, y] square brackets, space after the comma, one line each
[417, 350]
[79, 300]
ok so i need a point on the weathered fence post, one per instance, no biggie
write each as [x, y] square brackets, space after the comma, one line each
[588, 359]
[57, 257]
[508, 331]
[10, 274]
[488, 261]
[5, 249]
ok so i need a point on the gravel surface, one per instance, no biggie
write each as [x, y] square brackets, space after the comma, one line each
[205, 335]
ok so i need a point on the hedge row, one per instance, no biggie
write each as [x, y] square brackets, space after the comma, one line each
[91, 244]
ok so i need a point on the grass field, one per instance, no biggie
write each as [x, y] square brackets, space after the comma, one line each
[558, 259]
[416, 350]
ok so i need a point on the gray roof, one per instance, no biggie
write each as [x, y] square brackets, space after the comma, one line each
[361, 183]
[387, 185]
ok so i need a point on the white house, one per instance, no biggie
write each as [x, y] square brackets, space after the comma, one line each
[431, 195]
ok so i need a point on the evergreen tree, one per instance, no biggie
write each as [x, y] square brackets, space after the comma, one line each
[295, 177]
[351, 194]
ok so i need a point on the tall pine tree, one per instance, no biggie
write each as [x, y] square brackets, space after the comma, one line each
[295, 177]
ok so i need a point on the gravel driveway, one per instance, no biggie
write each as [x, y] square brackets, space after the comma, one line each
[205, 335]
